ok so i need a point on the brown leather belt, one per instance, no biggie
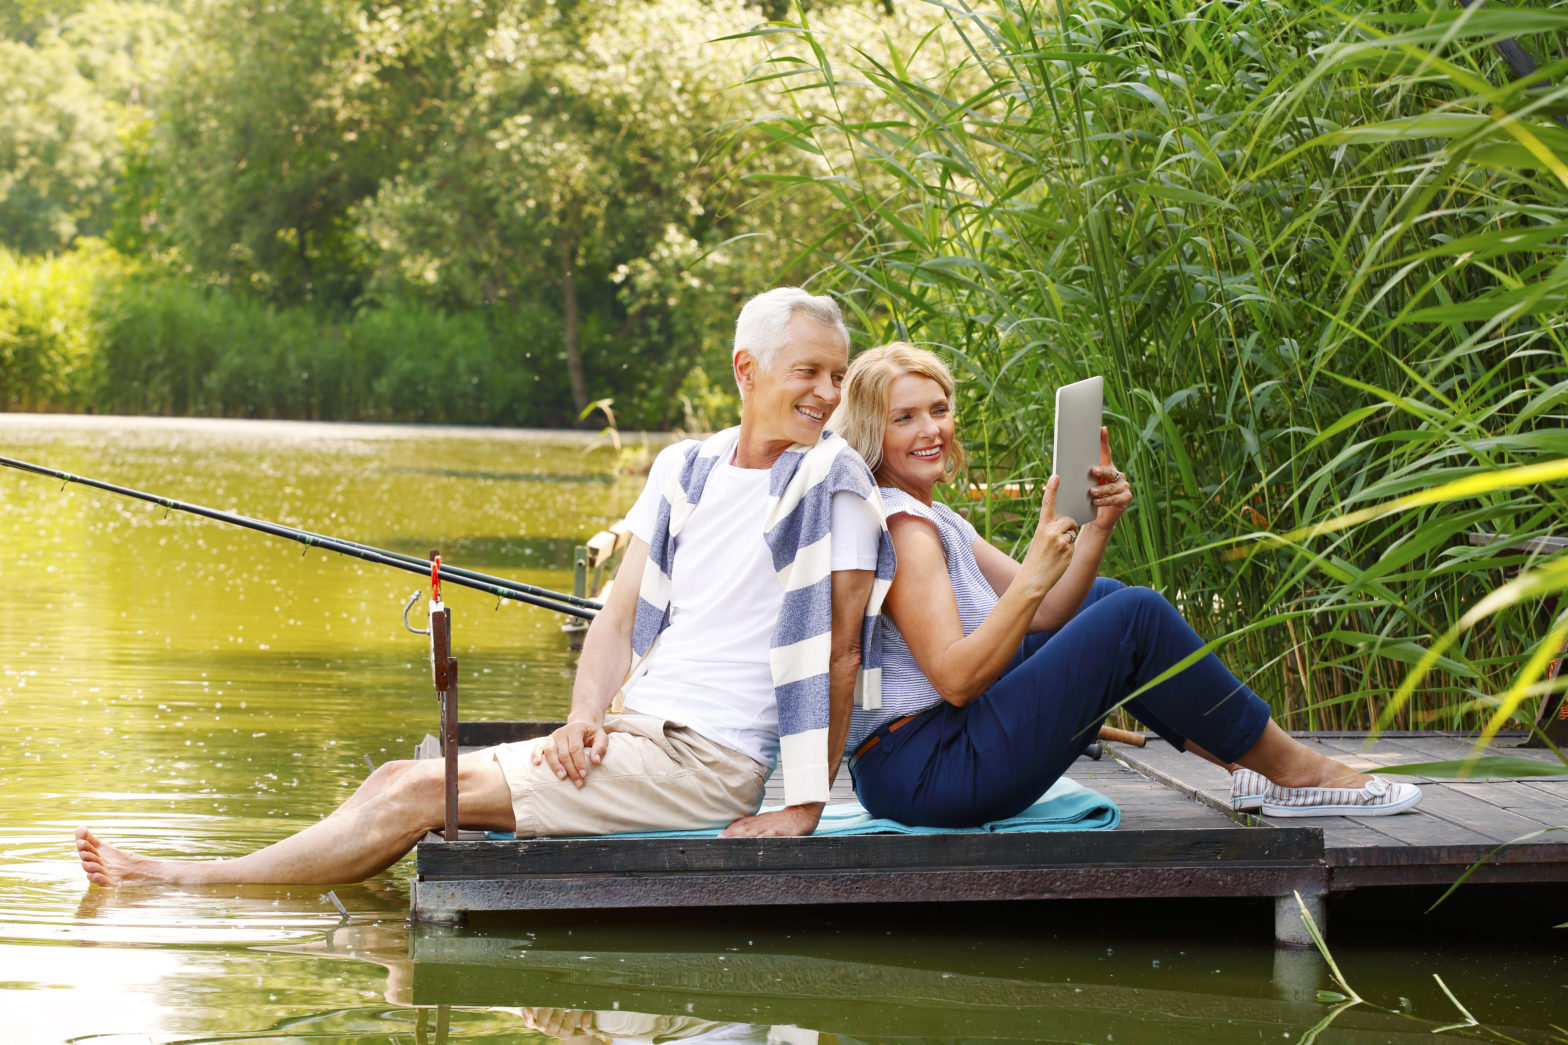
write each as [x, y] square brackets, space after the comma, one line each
[876, 738]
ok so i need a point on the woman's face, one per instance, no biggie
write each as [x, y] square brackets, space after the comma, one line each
[918, 436]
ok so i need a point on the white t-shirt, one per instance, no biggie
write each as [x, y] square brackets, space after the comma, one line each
[710, 670]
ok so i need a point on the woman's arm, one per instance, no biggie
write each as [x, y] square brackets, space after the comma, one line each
[921, 602]
[1067, 594]
[1111, 495]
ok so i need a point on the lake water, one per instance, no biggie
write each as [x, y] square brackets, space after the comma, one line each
[189, 688]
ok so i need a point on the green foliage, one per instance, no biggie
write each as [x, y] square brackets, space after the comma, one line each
[92, 330]
[23, 19]
[46, 333]
[282, 120]
[73, 84]
[573, 176]
[57, 148]
[550, 169]
[1319, 256]
[169, 348]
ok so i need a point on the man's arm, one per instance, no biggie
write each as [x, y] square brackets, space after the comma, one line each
[602, 667]
[851, 593]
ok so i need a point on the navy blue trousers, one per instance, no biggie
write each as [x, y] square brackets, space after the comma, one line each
[992, 758]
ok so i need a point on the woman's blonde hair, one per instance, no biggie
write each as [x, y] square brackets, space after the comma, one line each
[861, 417]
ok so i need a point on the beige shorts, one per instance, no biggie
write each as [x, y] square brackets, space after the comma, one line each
[656, 776]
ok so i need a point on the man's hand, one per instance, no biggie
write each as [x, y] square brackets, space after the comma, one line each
[789, 821]
[571, 750]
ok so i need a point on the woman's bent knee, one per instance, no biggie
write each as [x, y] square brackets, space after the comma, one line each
[1147, 600]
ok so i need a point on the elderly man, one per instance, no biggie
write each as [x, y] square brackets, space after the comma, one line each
[734, 634]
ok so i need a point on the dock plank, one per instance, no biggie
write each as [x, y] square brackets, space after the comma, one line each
[1540, 807]
[1177, 837]
[1555, 789]
[1457, 824]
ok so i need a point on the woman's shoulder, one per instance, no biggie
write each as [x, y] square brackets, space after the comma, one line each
[897, 502]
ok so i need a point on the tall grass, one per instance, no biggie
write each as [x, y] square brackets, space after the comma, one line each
[90, 331]
[1320, 255]
[46, 330]
[168, 348]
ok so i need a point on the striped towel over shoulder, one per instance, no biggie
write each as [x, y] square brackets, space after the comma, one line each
[798, 532]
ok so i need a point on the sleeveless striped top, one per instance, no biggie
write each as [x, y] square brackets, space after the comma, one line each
[905, 689]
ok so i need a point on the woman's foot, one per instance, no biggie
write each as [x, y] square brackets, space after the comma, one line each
[1284, 777]
[1287, 762]
[1250, 791]
[1379, 797]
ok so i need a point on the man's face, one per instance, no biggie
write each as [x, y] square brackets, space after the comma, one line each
[791, 400]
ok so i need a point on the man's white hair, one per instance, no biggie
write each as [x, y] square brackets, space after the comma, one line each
[763, 326]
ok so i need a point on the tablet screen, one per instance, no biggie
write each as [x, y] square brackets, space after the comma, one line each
[1076, 446]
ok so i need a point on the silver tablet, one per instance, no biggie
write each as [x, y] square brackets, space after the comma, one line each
[1076, 446]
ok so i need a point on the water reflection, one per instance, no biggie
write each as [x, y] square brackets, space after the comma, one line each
[711, 983]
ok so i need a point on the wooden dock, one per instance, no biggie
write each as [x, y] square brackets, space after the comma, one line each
[1177, 839]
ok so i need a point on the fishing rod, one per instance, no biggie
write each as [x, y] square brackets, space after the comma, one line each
[500, 587]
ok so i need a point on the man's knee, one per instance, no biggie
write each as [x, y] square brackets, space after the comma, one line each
[387, 772]
[418, 791]
[419, 787]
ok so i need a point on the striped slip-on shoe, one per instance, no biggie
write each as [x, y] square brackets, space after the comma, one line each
[1246, 790]
[1380, 797]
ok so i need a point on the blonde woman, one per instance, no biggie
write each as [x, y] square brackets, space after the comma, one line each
[996, 673]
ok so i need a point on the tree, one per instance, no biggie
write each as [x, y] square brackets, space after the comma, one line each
[288, 115]
[74, 84]
[574, 170]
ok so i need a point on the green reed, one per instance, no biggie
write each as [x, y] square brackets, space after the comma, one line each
[1318, 253]
[170, 348]
[92, 331]
[45, 329]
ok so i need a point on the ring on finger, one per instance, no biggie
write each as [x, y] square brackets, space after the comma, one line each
[1072, 536]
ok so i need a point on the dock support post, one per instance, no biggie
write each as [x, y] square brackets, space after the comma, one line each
[1298, 973]
[429, 914]
[1289, 929]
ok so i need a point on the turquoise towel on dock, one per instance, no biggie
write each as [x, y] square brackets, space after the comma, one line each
[1067, 806]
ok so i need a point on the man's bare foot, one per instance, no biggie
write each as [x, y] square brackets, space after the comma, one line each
[105, 865]
[787, 822]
